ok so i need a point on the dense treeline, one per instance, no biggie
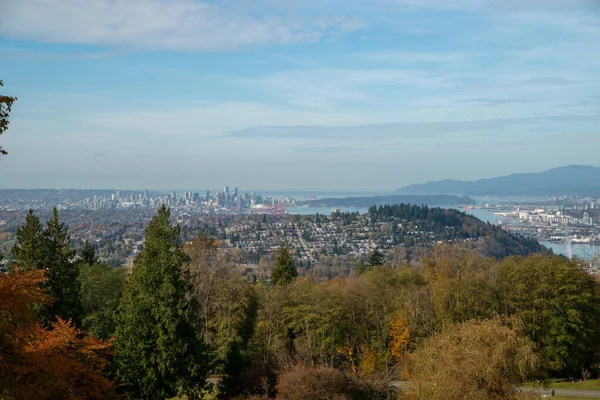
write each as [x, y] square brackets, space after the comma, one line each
[185, 313]
[434, 200]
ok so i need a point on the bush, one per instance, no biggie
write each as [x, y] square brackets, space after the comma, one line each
[472, 361]
[304, 382]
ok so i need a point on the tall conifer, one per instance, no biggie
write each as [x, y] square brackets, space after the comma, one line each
[158, 348]
[376, 258]
[29, 252]
[88, 254]
[62, 273]
[284, 271]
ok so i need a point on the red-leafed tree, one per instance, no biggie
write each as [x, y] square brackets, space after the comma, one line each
[38, 363]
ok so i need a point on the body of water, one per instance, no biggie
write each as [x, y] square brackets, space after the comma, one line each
[580, 250]
[323, 210]
[587, 251]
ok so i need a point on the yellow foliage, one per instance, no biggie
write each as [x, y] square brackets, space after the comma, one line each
[347, 350]
[401, 340]
[367, 361]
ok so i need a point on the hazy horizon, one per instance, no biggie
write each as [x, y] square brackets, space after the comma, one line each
[335, 96]
[279, 190]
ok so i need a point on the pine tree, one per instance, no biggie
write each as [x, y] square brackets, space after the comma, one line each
[232, 384]
[28, 252]
[376, 258]
[88, 254]
[158, 348]
[361, 268]
[284, 271]
[62, 272]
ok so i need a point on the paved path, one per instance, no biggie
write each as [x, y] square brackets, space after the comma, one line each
[592, 394]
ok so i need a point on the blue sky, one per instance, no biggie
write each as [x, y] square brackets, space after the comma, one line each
[270, 94]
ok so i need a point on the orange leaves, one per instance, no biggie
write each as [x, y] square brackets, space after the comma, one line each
[21, 290]
[62, 362]
[362, 362]
[38, 363]
[400, 337]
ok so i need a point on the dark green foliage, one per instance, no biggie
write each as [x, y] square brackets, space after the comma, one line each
[29, 250]
[88, 254]
[50, 249]
[62, 272]
[101, 289]
[361, 268]
[559, 304]
[284, 272]
[159, 349]
[376, 258]
[232, 383]
[6, 103]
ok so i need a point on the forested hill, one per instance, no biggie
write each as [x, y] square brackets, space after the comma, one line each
[432, 200]
[450, 225]
[574, 180]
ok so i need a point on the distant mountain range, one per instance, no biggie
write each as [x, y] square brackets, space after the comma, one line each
[575, 180]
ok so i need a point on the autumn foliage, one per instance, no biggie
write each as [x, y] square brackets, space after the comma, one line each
[39, 363]
[400, 337]
[323, 383]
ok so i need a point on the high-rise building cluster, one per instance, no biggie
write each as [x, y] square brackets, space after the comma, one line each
[225, 200]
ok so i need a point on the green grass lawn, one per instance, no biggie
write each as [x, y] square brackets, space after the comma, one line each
[591, 384]
[571, 398]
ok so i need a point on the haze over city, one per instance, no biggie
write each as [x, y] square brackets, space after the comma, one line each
[361, 95]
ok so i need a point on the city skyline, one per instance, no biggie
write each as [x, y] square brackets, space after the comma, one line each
[367, 96]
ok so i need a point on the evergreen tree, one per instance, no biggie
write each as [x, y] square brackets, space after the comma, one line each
[62, 272]
[361, 268]
[232, 384]
[28, 252]
[284, 271]
[376, 258]
[101, 290]
[88, 254]
[158, 348]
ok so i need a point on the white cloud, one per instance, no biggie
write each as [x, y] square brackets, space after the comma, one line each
[158, 24]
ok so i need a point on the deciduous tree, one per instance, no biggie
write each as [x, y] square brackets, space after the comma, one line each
[475, 360]
[6, 103]
[37, 363]
[559, 304]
